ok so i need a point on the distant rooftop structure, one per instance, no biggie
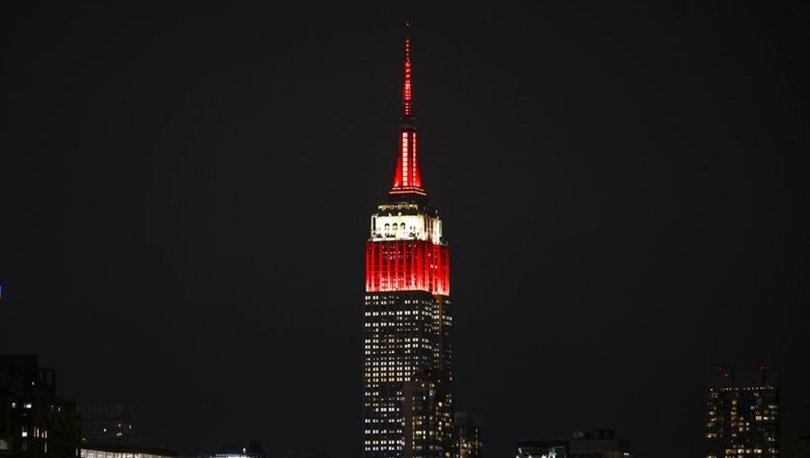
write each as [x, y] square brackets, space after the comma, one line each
[724, 377]
[22, 373]
[124, 451]
[107, 423]
[601, 443]
[249, 449]
[597, 443]
[542, 449]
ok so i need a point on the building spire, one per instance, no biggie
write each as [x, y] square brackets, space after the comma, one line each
[407, 95]
[407, 178]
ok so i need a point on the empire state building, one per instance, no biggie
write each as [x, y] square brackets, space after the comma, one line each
[407, 402]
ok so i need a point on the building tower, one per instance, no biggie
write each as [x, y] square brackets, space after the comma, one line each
[407, 315]
[742, 414]
[34, 421]
[469, 435]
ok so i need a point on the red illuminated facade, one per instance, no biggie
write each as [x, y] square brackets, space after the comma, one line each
[407, 265]
[408, 313]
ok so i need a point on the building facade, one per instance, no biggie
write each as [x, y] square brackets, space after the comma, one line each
[408, 404]
[107, 423]
[34, 422]
[469, 435]
[742, 414]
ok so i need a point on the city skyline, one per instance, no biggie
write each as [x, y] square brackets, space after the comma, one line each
[187, 186]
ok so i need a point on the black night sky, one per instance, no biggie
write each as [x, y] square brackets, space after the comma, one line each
[185, 191]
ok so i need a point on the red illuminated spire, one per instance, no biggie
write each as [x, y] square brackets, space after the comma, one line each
[407, 95]
[407, 178]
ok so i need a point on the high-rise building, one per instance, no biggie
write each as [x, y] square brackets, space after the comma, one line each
[34, 422]
[469, 435]
[742, 414]
[408, 404]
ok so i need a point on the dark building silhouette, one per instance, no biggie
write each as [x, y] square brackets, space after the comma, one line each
[742, 414]
[34, 422]
[803, 447]
[408, 404]
[598, 443]
[469, 435]
[106, 423]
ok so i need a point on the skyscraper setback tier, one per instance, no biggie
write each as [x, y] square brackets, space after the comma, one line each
[408, 404]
